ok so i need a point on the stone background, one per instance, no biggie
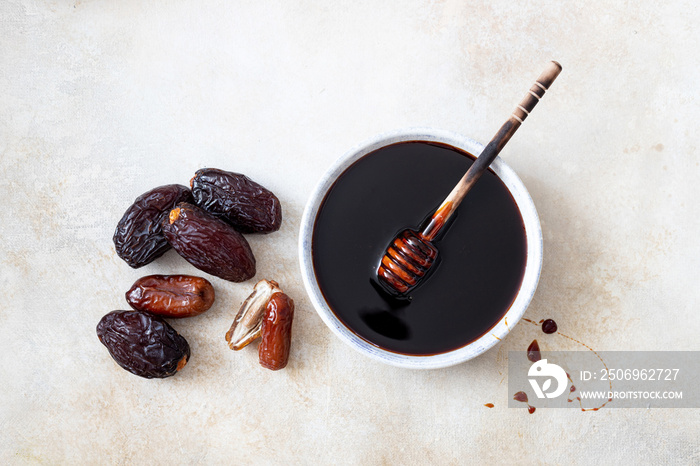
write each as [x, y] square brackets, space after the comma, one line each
[103, 100]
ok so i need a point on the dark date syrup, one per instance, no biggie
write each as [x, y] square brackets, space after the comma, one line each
[482, 253]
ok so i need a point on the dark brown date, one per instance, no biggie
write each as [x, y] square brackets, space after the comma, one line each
[273, 352]
[243, 203]
[171, 295]
[143, 344]
[208, 243]
[139, 238]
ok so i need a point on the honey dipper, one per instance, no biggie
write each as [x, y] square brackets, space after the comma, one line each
[411, 254]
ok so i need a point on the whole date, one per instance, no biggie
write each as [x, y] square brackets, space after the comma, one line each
[209, 243]
[139, 238]
[143, 343]
[171, 295]
[242, 202]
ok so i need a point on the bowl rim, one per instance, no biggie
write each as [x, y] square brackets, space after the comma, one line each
[533, 265]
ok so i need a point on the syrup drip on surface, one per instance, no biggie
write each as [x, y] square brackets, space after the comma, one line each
[549, 326]
[573, 388]
[522, 397]
[533, 351]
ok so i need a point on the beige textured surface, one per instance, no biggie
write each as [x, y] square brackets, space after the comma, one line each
[102, 100]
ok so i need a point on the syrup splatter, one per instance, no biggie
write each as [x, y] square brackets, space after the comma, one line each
[533, 351]
[549, 326]
[522, 397]
[573, 388]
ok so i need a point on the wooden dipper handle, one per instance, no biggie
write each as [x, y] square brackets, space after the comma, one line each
[491, 151]
[536, 92]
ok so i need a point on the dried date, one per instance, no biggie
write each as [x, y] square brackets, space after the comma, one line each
[273, 352]
[143, 344]
[243, 203]
[139, 238]
[171, 295]
[208, 243]
[247, 325]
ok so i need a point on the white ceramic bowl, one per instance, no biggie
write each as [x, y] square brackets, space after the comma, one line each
[533, 233]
